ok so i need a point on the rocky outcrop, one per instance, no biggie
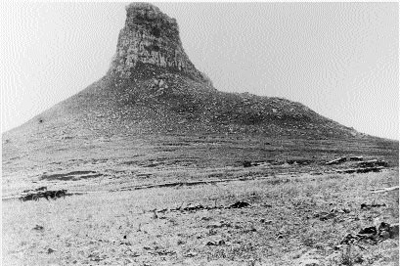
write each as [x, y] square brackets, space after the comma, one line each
[151, 37]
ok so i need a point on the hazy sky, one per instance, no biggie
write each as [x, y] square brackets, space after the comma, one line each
[340, 59]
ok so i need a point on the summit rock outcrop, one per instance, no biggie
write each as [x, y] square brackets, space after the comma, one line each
[151, 37]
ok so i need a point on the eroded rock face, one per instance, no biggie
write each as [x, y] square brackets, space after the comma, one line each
[151, 37]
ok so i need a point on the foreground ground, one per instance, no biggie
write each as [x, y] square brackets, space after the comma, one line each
[291, 219]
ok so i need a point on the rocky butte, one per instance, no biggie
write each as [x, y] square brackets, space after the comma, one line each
[153, 87]
[152, 93]
[151, 37]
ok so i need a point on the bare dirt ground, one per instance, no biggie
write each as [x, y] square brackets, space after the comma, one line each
[286, 218]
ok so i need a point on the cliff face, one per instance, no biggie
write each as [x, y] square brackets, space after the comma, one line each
[151, 37]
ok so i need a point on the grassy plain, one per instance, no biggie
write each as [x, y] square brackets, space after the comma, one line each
[283, 224]
[299, 208]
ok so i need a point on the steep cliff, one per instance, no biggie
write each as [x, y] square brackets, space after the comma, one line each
[151, 37]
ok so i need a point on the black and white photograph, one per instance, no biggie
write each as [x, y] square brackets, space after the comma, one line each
[200, 133]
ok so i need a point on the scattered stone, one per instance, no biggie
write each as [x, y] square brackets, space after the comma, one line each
[250, 163]
[386, 189]
[163, 252]
[349, 239]
[373, 234]
[30, 196]
[323, 216]
[299, 161]
[370, 206]
[215, 243]
[327, 216]
[194, 207]
[280, 235]
[373, 163]
[316, 173]
[215, 225]
[337, 161]
[361, 170]
[309, 262]
[155, 216]
[368, 231]
[247, 164]
[50, 250]
[387, 231]
[219, 225]
[71, 176]
[144, 175]
[239, 204]
[152, 164]
[163, 210]
[346, 210]
[191, 254]
[394, 231]
[356, 158]
[38, 227]
[199, 207]
[251, 229]
[36, 195]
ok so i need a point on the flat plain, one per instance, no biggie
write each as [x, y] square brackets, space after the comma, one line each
[202, 201]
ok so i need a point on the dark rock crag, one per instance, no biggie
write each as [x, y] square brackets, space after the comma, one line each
[151, 37]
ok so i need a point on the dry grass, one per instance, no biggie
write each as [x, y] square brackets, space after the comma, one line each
[282, 225]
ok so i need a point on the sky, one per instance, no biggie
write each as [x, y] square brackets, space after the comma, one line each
[339, 59]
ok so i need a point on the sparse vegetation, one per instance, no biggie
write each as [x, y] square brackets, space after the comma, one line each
[309, 213]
